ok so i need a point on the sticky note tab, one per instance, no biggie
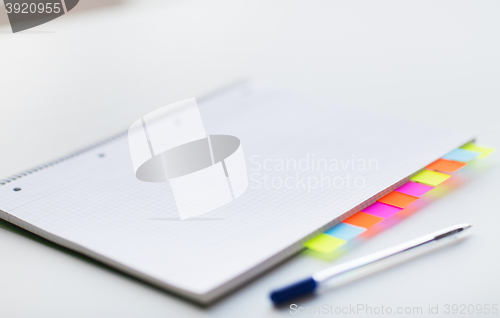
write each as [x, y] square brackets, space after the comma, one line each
[430, 177]
[414, 188]
[445, 165]
[485, 152]
[345, 231]
[363, 220]
[461, 155]
[382, 210]
[324, 243]
[398, 199]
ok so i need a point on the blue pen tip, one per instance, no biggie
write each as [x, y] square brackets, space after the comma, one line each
[298, 289]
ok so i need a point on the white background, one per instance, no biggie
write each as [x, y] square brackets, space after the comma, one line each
[92, 72]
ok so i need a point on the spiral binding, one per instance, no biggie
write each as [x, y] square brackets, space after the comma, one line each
[54, 162]
[25, 173]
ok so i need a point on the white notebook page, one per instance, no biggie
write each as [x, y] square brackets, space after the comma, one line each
[96, 206]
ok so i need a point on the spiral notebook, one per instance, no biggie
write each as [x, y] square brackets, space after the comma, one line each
[310, 165]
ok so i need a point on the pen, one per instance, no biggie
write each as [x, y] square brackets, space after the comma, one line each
[411, 248]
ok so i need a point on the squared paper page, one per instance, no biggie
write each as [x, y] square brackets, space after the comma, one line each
[96, 206]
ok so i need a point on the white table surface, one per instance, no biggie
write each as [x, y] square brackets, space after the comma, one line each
[89, 74]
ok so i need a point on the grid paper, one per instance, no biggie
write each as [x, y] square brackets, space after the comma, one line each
[97, 203]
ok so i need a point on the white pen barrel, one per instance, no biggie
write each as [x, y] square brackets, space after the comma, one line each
[361, 267]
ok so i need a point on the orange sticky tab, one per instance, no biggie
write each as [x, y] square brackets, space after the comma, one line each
[363, 219]
[445, 165]
[398, 199]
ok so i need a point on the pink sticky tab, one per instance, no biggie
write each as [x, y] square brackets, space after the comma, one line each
[382, 210]
[414, 188]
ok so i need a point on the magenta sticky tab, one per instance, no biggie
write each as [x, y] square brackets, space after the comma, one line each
[414, 188]
[381, 210]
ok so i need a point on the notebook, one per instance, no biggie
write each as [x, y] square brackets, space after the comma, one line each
[310, 165]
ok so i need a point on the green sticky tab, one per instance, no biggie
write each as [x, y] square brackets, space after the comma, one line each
[485, 152]
[324, 243]
[432, 178]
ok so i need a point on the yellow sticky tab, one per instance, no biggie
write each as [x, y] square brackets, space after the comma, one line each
[432, 178]
[485, 152]
[324, 243]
